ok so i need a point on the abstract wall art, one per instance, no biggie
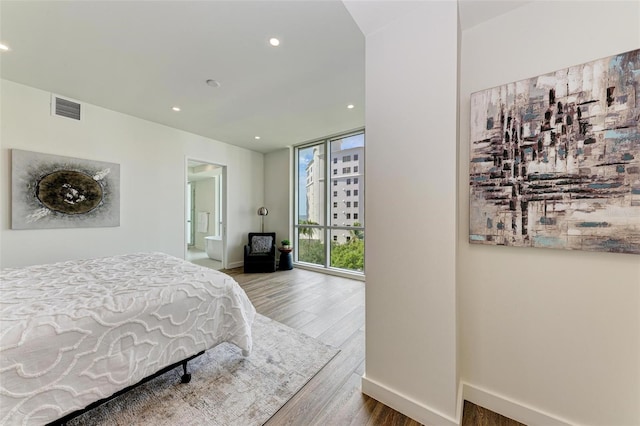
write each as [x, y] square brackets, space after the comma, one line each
[52, 191]
[555, 159]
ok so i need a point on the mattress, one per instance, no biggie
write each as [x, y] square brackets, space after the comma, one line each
[72, 333]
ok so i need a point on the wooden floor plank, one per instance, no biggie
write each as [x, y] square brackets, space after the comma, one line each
[331, 309]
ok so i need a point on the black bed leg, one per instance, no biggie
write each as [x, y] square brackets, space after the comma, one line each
[186, 377]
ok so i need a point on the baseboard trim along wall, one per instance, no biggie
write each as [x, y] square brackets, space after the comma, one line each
[509, 408]
[482, 397]
[238, 264]
[405, 405]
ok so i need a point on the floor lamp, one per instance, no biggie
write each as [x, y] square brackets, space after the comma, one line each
[262, 212]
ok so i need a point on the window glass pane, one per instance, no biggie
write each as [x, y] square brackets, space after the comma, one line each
[330, 220]
[347, 149]
[347, 249]
[311, 179]
[311, 247]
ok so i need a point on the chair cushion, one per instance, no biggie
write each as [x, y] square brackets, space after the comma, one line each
[261, 244]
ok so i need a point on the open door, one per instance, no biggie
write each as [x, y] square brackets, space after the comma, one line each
[205, 213]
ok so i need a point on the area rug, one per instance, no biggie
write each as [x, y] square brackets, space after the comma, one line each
[226, 389]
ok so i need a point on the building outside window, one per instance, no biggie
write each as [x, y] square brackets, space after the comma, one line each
[317, 214]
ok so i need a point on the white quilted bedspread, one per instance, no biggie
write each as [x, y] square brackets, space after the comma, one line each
[75, 332]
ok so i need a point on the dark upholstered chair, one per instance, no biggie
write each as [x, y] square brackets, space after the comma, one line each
[260, 253]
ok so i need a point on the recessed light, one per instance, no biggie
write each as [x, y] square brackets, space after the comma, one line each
[257, 137]
[274, 41]
[4, 47]
[350, 106]
[213, 83]
[175, 108]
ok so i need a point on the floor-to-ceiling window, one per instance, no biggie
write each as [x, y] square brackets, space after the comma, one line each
[329, 219]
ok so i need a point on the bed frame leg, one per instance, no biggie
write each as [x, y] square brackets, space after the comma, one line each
[186, 377]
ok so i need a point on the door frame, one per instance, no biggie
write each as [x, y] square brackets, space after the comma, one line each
[223, 207]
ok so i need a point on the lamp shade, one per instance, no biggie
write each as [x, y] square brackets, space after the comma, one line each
[262, 211]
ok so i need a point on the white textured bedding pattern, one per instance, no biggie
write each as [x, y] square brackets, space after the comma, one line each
[75, 332]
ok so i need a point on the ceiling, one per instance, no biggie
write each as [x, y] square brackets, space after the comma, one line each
[475, 12]
[144, 57]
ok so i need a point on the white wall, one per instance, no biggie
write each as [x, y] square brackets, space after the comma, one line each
[277, 193]
[555, 332]
[411, 113]
[152, 173]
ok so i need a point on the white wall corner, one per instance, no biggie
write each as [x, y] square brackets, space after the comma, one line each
[406, 405]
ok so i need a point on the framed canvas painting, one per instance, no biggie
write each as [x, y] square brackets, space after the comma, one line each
[52, 191]
[555, 159]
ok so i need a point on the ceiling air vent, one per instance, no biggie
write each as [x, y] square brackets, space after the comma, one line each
[65, 108]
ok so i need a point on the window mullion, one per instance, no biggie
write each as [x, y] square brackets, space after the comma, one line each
[328, 200]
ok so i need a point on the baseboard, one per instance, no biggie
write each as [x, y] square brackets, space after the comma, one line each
[508, 407]
[237, 264]
[405, 405]
[493, 401]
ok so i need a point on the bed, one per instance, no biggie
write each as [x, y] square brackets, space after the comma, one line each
[76, 332]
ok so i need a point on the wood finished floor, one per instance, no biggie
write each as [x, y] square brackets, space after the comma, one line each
[331, 309]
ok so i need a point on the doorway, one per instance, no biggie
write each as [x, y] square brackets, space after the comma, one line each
[205, 213]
